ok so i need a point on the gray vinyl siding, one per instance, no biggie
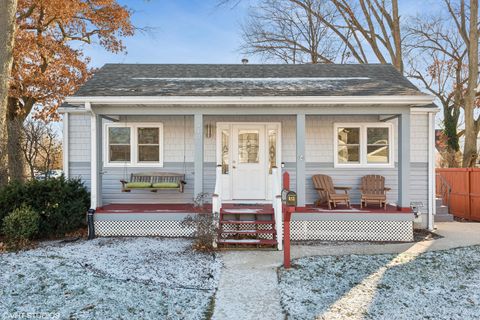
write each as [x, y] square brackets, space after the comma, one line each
[179, 145]
[79, 147]
[350, 177]
[111, 190]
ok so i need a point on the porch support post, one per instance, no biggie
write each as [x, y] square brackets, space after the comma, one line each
[404, 159]
[300, 176]
[95, 159]
[198, 156]
[65, 145]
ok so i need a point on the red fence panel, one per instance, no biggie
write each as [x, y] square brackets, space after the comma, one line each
[475, 194]
[464, 199]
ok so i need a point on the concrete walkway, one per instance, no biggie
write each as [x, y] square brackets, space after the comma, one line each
[248, 283]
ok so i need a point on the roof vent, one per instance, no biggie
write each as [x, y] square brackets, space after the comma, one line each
[244, 60]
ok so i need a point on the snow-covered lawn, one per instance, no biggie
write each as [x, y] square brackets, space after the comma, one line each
[432, 285]
[116, 278]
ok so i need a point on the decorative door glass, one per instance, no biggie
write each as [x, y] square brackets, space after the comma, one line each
[225, 151]
[248, 144]
[272, 150]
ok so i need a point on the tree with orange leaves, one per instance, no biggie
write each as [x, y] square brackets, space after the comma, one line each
[46, 65]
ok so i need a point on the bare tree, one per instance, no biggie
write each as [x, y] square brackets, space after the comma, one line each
[50, 152]
[442, 58]
[436, 59]
[366, 26]
[41, 147]
[470, 36]
[8, 9]
[282, 30]
[33, 133]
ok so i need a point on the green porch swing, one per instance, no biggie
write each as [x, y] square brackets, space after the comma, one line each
[154, 181]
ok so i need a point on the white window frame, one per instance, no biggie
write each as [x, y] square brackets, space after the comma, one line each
[133, 145]
[363, 145]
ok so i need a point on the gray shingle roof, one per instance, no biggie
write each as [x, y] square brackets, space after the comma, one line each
[247, 80]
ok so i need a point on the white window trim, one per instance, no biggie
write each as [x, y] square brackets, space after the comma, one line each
[363, 145]
[133, 145]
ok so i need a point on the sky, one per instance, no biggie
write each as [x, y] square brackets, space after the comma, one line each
[195, 31]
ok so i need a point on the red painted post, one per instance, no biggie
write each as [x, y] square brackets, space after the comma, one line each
[286, 180]
[287, 214]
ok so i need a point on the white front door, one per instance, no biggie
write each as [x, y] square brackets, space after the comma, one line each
[249, 167]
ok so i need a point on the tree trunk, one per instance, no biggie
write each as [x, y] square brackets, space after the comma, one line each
[397, 38]
[470, 153]
[15, 120]
[7, 27]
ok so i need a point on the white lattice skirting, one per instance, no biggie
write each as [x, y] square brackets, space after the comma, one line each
[352, 230]
[138, 225]
[344, 227]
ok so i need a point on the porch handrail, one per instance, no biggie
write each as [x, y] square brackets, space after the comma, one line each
[217, 194]
[445, 190]
[277, 204]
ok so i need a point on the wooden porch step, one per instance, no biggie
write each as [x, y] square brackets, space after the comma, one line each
[249, 232]
[247, 211]
[247, 221]
[248, 241]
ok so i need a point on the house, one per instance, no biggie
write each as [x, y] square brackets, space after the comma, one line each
[232, 130]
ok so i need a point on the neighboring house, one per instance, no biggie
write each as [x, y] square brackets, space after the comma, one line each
[228, 127]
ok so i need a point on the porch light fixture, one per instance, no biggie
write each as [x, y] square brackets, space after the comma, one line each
[208, 131]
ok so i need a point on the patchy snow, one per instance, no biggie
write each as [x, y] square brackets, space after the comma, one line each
[107, 278]
[275, 80]
[432, 285]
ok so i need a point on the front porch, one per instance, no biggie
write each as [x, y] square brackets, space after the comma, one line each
[229, 159]
[308, 223]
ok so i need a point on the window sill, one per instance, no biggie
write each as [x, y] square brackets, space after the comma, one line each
[134, 165]
[364, 166]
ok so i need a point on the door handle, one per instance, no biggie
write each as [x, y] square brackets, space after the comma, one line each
[233, 167]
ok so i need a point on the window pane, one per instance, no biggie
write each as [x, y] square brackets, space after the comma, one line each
[377, 136]
[117, 135]
[248, 146]
[148, 153]
[348, 136]
[377, 154]
[348, 154]
[148, 135]
[272, 149]
[119, 153]
[225, 154]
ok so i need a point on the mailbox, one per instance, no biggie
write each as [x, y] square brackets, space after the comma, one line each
[289, 198]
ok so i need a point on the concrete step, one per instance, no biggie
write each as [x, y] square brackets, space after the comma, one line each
[442, 210]
[443, 218]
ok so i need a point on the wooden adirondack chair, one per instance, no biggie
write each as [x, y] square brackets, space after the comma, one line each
[373, 190]
[327, 191]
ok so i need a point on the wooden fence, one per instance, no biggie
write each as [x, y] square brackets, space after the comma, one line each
[464, 196]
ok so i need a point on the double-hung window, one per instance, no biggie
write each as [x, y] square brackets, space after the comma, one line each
[137, 144]
[363, 144]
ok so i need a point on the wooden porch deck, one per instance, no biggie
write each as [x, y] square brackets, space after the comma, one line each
[190, 208]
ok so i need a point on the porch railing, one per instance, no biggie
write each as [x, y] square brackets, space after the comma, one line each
[277, 204]
[217, 194]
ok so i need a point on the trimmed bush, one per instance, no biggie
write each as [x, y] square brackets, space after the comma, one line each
[61, 203]
[21, 225]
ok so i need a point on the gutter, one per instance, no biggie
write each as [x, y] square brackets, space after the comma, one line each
[416, 100]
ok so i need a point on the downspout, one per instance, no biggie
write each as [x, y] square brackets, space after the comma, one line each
[66, 147]
[93, 156]
[431, 171]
